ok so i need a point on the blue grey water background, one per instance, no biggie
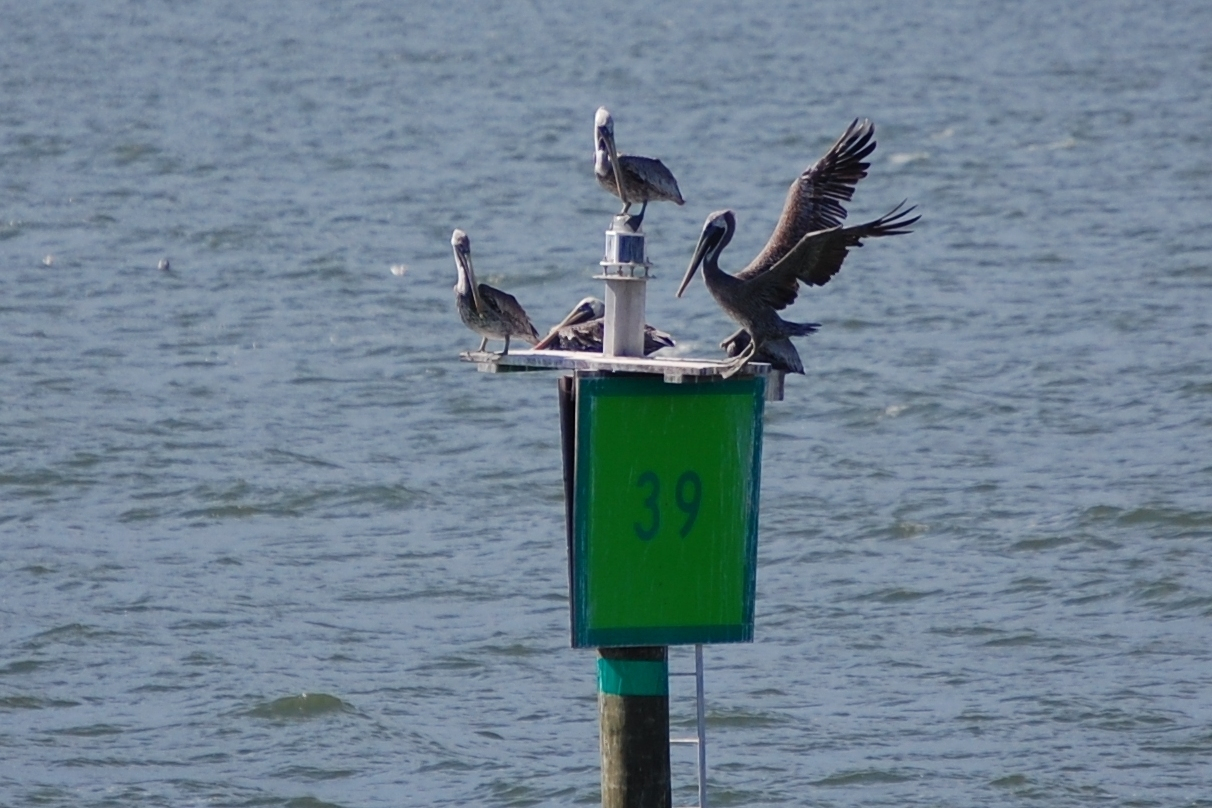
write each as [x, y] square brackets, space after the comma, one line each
[266, 541]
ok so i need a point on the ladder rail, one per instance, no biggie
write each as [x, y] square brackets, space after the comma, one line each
[700, 720]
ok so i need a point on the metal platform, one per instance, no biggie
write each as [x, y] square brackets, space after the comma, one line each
[674, 371]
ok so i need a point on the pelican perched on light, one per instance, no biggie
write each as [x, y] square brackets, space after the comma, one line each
[753, 297]
[630, 178]
[582, 329]
[489, 312]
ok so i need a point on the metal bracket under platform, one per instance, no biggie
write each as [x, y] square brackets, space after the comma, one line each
[673, 370]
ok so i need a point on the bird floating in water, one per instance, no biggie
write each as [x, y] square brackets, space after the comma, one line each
[753, 298]
[627, 176]
[489, 312]
[582, 330]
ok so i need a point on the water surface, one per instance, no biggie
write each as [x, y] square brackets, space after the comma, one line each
[267, 542]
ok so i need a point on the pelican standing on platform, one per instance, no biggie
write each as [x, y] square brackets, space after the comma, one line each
[489, 312]
[753, 298]
[582, 330]
[627, 176]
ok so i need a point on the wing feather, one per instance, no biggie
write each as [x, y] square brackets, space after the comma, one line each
[814, 200]
[508, 307]
[819, 255]
[648, 177]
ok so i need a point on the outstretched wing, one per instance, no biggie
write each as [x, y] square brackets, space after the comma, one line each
[819, 255]
[814, 201]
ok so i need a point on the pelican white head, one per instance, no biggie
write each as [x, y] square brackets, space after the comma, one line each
[603, 124]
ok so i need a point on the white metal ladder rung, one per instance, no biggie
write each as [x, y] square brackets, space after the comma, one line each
[700, 740]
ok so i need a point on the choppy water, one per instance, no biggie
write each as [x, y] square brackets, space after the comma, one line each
[267, 542]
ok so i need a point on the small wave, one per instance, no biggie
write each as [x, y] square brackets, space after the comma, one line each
[1040, 544]
[1063, 143]
[1014, 640]
[898, 595]
[310, 802]
[302, 706]
[89, 731]
[863, 778]
[746, 718]
[33, 703]
[1185, 523]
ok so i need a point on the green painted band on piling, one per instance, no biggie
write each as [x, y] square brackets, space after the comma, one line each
[626, 677]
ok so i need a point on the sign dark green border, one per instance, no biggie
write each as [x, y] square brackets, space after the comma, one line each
[586, 636]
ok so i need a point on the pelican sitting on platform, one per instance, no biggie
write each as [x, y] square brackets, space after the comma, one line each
[582, 330]
[489, 312]
[630, 178]
[753, 298]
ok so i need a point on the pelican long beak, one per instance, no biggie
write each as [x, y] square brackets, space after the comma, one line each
[463, 262]
[696, 259]
[608, 136]
[581, 313]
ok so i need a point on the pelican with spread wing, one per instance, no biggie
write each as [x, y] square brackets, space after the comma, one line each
[814, 206]
[753, 299]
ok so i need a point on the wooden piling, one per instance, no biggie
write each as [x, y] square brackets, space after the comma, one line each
[633, 710]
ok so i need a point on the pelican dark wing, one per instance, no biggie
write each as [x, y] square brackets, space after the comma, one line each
[814, 200]
[818, 256]
[645, 179]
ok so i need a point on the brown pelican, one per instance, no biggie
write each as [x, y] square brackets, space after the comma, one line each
[489, 312]
[581, 330]
[641, 179]
[753, 298]
[814, 201]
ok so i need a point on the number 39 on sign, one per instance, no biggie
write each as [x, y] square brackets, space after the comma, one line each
[665, 511]
[687, 503]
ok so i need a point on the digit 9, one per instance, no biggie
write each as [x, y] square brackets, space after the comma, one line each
[688, 505]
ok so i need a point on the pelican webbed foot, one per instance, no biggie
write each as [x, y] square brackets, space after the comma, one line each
[737, 364]
[734, 342]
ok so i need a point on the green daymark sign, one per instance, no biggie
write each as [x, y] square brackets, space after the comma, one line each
[665, 511]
